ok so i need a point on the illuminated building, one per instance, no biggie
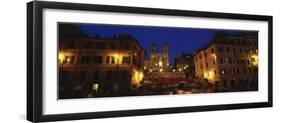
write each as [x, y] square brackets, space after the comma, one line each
[159, 59]
[104, 65]
[230, 59]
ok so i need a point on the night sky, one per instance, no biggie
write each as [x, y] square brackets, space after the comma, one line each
[179, 39]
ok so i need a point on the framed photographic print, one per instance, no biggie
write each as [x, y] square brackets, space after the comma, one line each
[95, 61]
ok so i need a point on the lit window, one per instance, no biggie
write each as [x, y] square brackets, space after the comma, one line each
[110, 59]
[65, 59]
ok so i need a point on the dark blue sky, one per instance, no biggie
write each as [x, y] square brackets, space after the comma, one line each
[179, 39]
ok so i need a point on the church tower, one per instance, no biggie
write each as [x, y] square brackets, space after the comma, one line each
[165, 54]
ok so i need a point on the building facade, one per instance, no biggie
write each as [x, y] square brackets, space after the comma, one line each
[158, 59]
[232, 60]
[105, 66]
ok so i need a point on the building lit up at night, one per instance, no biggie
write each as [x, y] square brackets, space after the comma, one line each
[158, 59]
[105, 66]
[232, 60]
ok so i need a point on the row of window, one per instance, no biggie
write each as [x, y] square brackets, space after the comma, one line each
[99, 60]
[243, 42]
[93, 76]
[234, 71]
[234, 50]
[238, 61]
[228, 50]
[229, 61]
[238, 71]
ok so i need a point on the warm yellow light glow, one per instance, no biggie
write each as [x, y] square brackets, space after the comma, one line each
[144, 68]
[209, 75]
[150, 70]
[95, 87]
[137, 77]
[255, 60]
[174, 70]
[180, 70]
[160, 63]
[117, 58]
[68, 59]
[140, 76]
[214, 55]
[206, 75]
[61, 57]
[161, 70]
[222, 72]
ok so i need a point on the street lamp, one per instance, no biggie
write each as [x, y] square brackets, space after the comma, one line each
[95, 87]
[180, 70]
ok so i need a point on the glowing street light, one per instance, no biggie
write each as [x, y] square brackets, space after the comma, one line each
[160, 63]
[180, 69]
[95, 87]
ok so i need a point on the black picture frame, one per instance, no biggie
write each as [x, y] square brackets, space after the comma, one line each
[34, 60]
